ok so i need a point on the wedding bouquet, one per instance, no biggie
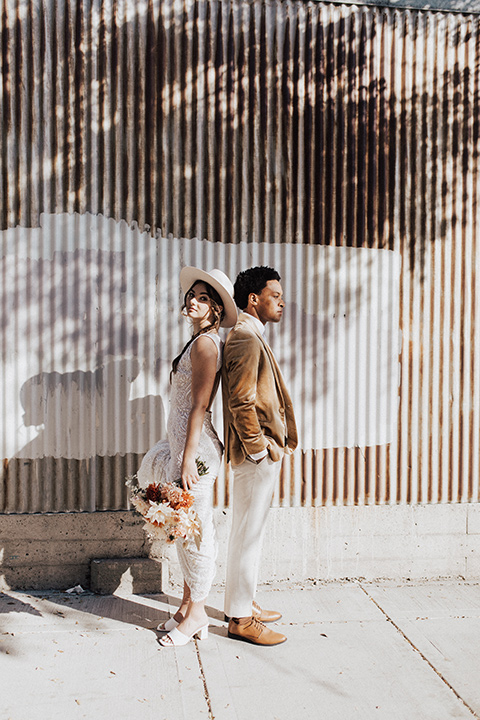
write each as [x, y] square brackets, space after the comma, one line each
[167, 509]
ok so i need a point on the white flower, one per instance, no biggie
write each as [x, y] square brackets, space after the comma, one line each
[140, 505]
[159, 514]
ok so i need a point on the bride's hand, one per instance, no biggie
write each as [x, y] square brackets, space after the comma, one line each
[189, 474]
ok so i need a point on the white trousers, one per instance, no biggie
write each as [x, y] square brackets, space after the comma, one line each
[253, 487]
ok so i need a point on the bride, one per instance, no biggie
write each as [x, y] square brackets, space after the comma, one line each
[208, 305]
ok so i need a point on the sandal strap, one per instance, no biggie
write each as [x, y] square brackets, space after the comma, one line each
[176, 637]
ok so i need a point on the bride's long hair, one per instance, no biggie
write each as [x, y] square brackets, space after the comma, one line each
[218, 315]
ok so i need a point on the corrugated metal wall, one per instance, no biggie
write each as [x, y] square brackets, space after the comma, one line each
[258, 126]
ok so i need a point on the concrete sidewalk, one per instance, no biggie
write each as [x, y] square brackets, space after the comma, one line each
[355, 650]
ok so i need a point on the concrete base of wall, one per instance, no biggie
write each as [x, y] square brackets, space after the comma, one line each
[126, 575]
[426, 541]
[333, 543]
[39, 552]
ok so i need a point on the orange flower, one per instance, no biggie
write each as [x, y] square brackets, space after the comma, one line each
[182, 502]
[175, 497]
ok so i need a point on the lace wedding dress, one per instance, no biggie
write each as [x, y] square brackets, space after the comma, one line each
[163, 463]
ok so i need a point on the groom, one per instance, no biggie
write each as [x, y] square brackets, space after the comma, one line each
[259, 428]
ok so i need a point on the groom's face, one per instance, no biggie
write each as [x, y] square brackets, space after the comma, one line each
[269, 303]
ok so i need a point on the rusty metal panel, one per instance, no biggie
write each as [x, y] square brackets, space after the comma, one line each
[338, 143]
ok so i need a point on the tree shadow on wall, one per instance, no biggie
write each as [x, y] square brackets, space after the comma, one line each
[83, 413]
[329, 145]
[92, 437]
[68, 311]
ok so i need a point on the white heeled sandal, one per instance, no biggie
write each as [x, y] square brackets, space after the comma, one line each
[176, 638]
[168, 625]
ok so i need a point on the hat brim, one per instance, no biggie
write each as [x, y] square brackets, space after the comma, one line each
[191, 275]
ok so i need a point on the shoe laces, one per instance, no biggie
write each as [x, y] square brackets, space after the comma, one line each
[256, 624]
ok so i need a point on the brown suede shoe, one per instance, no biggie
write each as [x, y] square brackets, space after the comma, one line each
[254, 631]
[264, 616]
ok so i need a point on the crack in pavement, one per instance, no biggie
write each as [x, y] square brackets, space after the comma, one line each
[430, 664]
[204, 681]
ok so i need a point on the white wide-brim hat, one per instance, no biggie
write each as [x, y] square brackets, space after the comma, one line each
[218, 280]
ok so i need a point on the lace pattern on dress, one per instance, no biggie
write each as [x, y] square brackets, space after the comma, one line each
[163, 463]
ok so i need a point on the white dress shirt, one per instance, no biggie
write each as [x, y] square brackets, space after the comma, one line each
[256, 457]
[258, 324]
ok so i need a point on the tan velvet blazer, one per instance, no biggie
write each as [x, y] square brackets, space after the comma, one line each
[257, 408]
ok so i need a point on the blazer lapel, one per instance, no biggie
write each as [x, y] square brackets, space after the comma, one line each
[245, 317]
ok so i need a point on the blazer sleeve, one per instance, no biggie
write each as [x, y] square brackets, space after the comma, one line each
[241, 360]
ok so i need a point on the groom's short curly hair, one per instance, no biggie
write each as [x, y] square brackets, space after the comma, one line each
[252, 280]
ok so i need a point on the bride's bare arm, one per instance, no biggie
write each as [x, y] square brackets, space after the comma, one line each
[204, 369]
